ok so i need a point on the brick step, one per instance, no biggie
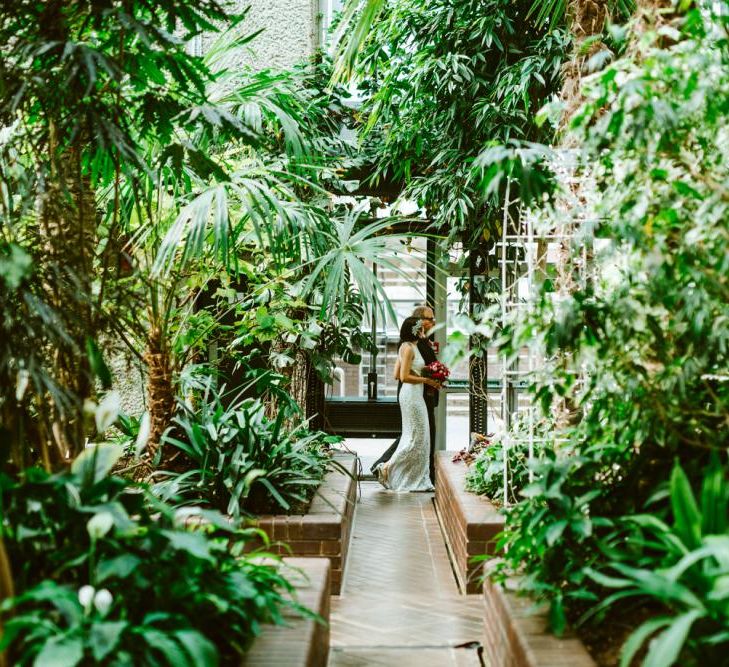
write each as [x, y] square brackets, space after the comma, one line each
[300, 642]
[469, 522]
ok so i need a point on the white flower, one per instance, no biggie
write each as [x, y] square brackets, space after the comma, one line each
[102, 601]
[108, 411]
[21, 384]
[86, 596]
[99, 525]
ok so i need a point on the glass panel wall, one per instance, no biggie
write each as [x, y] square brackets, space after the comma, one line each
[405, 292]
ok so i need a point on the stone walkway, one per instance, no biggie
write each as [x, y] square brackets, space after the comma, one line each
[400, 604]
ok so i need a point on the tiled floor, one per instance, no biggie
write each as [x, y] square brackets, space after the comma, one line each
[400, 604]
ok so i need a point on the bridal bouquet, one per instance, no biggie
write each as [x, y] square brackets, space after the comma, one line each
[437, 371]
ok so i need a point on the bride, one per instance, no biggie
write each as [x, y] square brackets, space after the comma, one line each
[409, 467]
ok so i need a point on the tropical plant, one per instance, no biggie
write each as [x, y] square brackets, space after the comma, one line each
[241, 462]
[360, 16]
[236, 176]
[256, 224]
[442, 80]
[116, 140]
[636, 353]
[83, 86]
[88, 552]
[682, 567]
[486, 474]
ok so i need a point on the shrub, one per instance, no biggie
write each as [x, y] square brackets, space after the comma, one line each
[243, 462]
[682, 567]
[486, 474]
[637, 352]
[104, 574]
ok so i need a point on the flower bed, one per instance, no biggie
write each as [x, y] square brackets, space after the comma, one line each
[301, 642]
[469, 522]
[517, 635]
[324, 530]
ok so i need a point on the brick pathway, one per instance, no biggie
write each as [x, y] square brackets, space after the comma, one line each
[400, 604]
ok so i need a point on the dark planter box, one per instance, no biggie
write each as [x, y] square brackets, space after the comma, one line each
[516, 634]
[469, 522]
[302, 642]
[324, 530]
[353, 417]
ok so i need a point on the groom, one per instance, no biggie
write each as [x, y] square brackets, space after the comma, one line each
[425, 347]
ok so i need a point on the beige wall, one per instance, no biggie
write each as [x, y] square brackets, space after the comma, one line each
[290, 32]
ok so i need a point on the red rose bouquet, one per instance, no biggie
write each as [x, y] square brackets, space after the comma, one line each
[437, 371]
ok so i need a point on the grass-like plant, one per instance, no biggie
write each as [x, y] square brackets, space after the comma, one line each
[241, 462]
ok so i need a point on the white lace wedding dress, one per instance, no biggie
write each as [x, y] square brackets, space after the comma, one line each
[409, 467]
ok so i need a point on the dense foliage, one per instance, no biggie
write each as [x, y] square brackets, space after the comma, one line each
[167, 203]
[106, 575]
[163, 205]
[241, 462]
[637, 356]
[443, 80]
[157, 191]
[83, 88]
[486, 472]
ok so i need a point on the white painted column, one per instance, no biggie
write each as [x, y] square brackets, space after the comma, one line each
[441, 313]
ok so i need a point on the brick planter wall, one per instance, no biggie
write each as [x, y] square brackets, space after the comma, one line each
[302, 642]
[516, 635]
[469, 521]
[325, 529]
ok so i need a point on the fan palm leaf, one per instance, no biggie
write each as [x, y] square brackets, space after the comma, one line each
[354, 249]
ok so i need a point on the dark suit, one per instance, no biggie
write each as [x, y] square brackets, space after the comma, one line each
[431, 400]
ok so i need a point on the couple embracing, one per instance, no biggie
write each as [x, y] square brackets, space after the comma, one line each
[408, 464]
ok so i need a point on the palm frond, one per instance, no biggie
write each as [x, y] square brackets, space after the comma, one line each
[357, 20]
[552, 12]
[348, 264]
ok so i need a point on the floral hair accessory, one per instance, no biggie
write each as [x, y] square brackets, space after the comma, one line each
[418, 328]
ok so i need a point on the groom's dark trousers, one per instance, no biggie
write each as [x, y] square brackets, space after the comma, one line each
[431, 400]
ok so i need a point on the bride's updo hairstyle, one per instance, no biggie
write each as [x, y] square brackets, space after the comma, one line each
[408, 330]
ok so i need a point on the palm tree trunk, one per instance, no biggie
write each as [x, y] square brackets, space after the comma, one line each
[68, 226]
[160, 395]
[7, 590]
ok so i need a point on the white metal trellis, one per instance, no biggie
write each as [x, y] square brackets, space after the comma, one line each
[518, 285]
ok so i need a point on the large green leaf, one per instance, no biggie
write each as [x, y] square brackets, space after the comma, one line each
[165, 645]
[202, 652]
[120, 567]
[639, 637]
[666, 647]
[714, 498]
[63, 651]
[686, 515]
[194, 544]
[104, 637]
[356, 22]
[96, 461]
